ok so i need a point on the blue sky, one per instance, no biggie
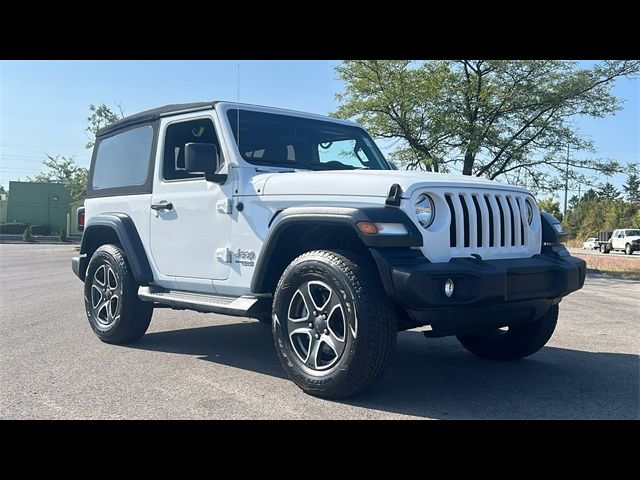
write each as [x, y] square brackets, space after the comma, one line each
[44, 104]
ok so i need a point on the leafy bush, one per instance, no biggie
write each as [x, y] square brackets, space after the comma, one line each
[41, 229]
[15, 228]
[27, 236]
[63, 235]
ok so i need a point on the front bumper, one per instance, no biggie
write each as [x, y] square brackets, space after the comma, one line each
[414, 282]
[487, 294]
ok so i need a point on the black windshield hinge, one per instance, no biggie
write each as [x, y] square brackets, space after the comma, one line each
[395, 196]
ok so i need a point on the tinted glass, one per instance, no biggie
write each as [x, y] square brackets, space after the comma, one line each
[296, 142]
[123, 160]
[176, 137]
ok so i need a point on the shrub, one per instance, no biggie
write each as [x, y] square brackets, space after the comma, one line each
[14, 228]
[27, 236]
[41, 229]
[63, 235]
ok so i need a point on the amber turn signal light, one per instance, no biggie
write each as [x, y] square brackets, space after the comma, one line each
[367, 227]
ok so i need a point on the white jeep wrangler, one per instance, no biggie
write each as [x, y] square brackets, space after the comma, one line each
[299, 221]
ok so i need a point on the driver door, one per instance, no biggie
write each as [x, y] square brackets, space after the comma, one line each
[618, 239]
[185, 238]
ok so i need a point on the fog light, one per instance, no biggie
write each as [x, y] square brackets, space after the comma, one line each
[448, 287]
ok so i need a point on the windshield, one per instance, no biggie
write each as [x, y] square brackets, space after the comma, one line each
[296, 142]
[632, 233]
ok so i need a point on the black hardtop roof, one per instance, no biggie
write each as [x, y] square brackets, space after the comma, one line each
[154, 114]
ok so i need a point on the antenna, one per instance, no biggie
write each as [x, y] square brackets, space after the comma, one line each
[238, 114]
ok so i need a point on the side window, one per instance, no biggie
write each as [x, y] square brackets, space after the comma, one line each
[123, 159]
[177, 135]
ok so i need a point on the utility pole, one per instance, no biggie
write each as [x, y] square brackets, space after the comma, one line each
[566, 182]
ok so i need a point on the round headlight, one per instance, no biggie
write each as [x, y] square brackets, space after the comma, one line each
[425, 210]
[529, 211]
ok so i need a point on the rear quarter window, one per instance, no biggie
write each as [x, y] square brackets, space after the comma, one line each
[123, 160]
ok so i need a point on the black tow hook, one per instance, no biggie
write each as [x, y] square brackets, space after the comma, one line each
[477, 258]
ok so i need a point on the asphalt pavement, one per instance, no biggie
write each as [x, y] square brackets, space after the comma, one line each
[192, 365]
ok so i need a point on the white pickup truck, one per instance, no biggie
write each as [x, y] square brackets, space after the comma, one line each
[299, 221]
[625, 240]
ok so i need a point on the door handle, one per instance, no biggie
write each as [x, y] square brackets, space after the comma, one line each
[163, 205]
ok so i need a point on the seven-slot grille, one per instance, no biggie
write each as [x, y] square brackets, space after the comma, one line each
[487, 220]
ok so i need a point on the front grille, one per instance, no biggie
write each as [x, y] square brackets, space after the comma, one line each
[487, 220]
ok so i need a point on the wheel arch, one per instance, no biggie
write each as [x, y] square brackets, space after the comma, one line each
[297, 230]
[118, 229]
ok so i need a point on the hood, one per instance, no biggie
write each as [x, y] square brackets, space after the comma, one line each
[370, 183]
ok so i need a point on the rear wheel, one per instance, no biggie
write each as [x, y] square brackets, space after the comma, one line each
[603, 248]
[115, 312]
[514, 342]
[628, 250]
[333, 326]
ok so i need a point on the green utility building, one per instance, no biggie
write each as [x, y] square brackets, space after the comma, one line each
[38, 204]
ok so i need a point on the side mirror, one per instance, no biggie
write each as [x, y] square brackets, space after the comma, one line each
[203, 158]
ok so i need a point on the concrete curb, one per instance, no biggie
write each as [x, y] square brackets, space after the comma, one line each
[39, 239]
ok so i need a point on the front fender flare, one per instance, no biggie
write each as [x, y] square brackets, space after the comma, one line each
[335, 216]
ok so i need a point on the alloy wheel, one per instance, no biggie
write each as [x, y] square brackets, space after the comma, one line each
[105, 296]
[317, 325]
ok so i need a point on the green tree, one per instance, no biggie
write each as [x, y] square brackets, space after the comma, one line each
[100, 116]
[632, 187]
[64, 170]
[573, 203]
[589, 195]
[607, 191]
[498, 119]
[551, 206]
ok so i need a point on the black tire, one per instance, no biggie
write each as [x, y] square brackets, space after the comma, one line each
[628, 250]
[603, 248]
[115, 312]
[514, 343]
[345, 284]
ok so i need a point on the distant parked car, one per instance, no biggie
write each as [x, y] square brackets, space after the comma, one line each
[590, 243]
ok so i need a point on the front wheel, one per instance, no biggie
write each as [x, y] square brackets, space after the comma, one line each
[333, 326]
[115, 312]
[515, 342]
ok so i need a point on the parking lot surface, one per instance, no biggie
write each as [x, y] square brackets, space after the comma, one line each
[192, 365]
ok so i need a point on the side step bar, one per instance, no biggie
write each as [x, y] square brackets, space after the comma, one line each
[244, 306]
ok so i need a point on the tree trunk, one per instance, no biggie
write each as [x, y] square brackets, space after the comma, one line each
[469, 160]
